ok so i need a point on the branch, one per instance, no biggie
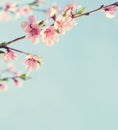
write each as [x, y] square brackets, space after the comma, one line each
[15, 40]
[23, 52]
[74, 16]
[93, 11]
[14, 77]
[31, 5]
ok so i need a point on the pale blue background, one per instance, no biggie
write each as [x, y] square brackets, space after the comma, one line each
[77, 86]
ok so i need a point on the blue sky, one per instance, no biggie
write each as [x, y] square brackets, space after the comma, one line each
[76, 87]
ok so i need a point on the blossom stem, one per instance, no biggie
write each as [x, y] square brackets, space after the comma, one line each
[93, 11]
[7, 78]
[74, 16]
[13, 77]
[20, 5]
[15, 40]
[26, 53]
[23, 52]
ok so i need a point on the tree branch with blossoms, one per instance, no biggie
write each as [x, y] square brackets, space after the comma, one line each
[19, 10]
[62, 20]
[108, 9]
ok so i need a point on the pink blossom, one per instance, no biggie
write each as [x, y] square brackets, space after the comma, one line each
[9, 55]
[38, 1]
[53, 10]
[110, 11]
[32, 29]
[10, 68]
[63, 24]
[17, 82]
[3, 87]
[32, 62]
[4, 16]
[71, 6]
[25, 10]
[49, 35]
[10, 6]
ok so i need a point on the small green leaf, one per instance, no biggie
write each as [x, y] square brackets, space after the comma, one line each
[32, 4]
[5, 79]
[40, 61]
[80, 11]
[66, 13]
[41, 23]
[3, 44]
[23, 76]
[57, 30]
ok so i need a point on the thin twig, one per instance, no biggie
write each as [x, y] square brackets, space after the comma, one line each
[74, 16]
[26, 53]
[23, 52]
[14, 77]
[15, 40]
[93, 11]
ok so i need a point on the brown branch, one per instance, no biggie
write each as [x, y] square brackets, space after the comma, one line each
[93, 11]
[23, 52]
[74, 16]
[26, 53]
[15, 40]
[15, 77]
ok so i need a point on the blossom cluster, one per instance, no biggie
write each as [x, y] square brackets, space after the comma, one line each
[110, 11]
[15, 76]
[30, 61]
[59, 22]
[13, 8]
[63, 21]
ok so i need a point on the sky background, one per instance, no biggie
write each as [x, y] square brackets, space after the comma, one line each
[77, 86]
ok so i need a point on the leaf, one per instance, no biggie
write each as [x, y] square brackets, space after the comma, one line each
[3, 44]
[4, 79]
[23, 76]
[80, 11]
[32, 4]
[40, 61]
[41, 23]
[57, 30]
[66, 13]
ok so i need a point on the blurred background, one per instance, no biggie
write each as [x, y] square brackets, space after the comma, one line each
[77, 86]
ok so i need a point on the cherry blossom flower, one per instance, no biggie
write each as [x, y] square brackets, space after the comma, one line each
[63, 24]
[17, 82]
[9, 55]
[4, 16]
[10, 68]
[24, 11]
[3, 87]
[32, 62]
[10, 6]
[110, 11]
[72, 6]
[49, 35]
[32, 29]
[53, 10]
[38, 1]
